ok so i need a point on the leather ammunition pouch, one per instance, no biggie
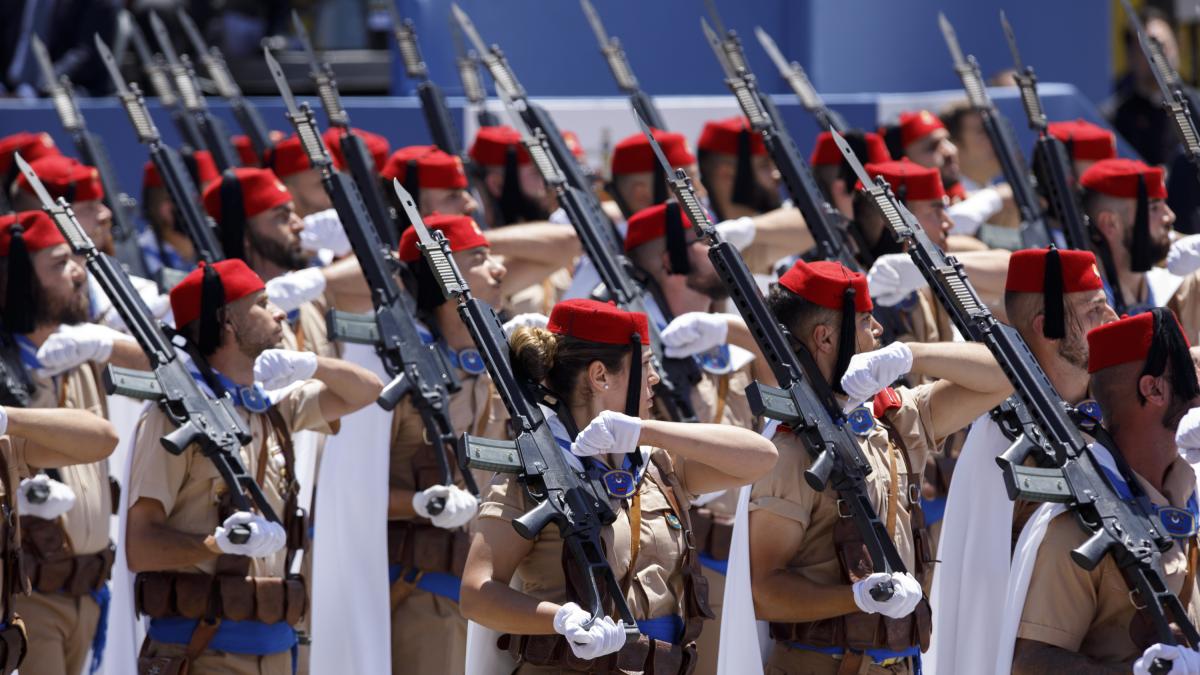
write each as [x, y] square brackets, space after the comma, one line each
[13, 644]
[52, 566]
[426, 547]
[644, 655]
[227, 596]
[713, 532]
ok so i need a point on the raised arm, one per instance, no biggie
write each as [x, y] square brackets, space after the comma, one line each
[57, 437]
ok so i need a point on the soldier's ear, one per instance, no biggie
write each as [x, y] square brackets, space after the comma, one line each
[1154, 389]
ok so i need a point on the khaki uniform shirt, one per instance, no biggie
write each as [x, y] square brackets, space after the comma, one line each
[1090, 612]
[13, 449]
[309, 333]
[655, 587]
[721, 399]
[784, 492]
[189, 487]
[86, 524]
[540, 298]
[1186, 305]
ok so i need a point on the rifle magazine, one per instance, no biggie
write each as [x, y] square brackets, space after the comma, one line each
[490, 454]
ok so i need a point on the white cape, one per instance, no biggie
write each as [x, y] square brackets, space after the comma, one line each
[970, 579]
[350, 602]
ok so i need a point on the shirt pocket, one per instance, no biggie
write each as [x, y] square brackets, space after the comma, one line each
[661, 532]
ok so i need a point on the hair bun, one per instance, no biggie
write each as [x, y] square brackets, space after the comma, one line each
[533, 351]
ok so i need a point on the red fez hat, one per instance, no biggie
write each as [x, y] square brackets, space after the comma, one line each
[1027, 271]
[204, 166]
[287, 157]
[65, 177]
[634, 155]
[245, 150]
[261, 191]
[492, 143]
[825, 282]
[40, 231]
[461, 231]
[909, 180]
[650, 224]
[435, 168]
[573, 144]
[596, 321]
[377, 145]
[826, 152]
[1085, 140]
[237, 279]
[1119, 178]
[722, 136]
[918, 124]
[31, 146]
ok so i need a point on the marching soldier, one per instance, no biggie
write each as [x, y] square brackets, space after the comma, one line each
[435, 180]
[32, 146]
[737, 172]
[833, 173]
[164, 243]
[809, 575]
[180, 519]
[287, 159]
[583, 358]
[515, 191]
[1086, 143]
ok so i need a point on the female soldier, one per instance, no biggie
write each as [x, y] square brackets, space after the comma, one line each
[584, 361]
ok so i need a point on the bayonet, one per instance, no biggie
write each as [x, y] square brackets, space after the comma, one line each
[797, 79]
[152, 64]
[614, 55]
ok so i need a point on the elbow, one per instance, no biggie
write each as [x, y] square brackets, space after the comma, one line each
[759, 459]
[105, 441]
[135, 553]
[366, 392]
[471, 601]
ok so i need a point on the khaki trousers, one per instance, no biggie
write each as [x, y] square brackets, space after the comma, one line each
[61, 628]
[787, 661]
[429, 635]
[211, 661]
[710, 638]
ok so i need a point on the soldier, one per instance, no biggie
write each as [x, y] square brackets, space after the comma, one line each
[180, 519]
[287, 159]
[737, 172]
[921, 137]
[1053, 298]
[164, 243]
[515, 191]
[32, 146]
[377, 146]
[69, 554]
[426, 552]
[435, 180]
[1078, 620]
[1086, 143]
[809, 575]
[833, 173]
[584, 358]
[46, 437]
[637, 178]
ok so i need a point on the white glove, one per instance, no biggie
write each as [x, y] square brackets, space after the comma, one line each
[277, 368]
[605, 636]
[71, 346]
[1184, 257]
[266, 537]
[870, 372]
[323, 229]
[609, 433]
[289, 291]
[53, 500]
[159, 305]
[460, 506]
[1187, 434]
[1183, 661]
[739, 231]
[893, 277]
[527, 320]
[694, 333]
[906, 594]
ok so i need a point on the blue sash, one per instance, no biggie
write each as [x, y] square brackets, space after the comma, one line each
[719, 566]
[667, 628]
[234, 637]
[28, 352]
[1179, 523]
[934, 510]
[876, 655]
[439, 583]
[253, 398]
[103, 598]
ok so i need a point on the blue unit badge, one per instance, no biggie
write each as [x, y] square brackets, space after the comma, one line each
[673, 522]
[716, 360]
[253, 399]
[1091, 409]
[619, 483]
[861, 420]
[470, 361]
[1179, 523]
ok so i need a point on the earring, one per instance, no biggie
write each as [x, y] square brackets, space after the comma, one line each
[606, 386]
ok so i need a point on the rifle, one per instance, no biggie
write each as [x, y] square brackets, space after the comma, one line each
[577, 506]
[227, 88]
[418, 370]
[797, 79]
[1056, 175]
[213, 136]
[155, 68]
[675, 375]
[1034, 233]
[534, 115]
[16, 389]
[180, 187]
[804, 401]
[614, 54]
[433, 103]
[359, 162]
[200, 418]
[1179, 102]
[467, 62]
[92, 152]
[1115, 526]
[829, 228]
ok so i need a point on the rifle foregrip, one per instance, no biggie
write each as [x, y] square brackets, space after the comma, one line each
[490, 454]
[1091, 552]
[534, 520]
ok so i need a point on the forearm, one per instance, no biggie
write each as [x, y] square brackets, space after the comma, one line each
[128, 354]
[345, 286]
[988, 271]
[161, 547]
[545, 243]
[740, 335]
[738, 453]
[1031, 657]
[61, 433]
[783, 231]
[776, 592]
[400, 504]
[356, 386]
[966, 364]
[507, 610]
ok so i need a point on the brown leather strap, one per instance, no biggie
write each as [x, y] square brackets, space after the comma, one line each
[635, 530]
[851, 663]
[291, 488]
[10, 547]
[1189, 581]
[722, 394]
[695, 602]
[893, 494]
[202, 635]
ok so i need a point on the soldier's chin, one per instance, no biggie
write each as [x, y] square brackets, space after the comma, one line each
[712, 288]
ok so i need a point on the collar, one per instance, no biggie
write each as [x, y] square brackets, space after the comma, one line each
[1176, 508]
[718, 361]
[28, 352]
[468, 360]
[591, 465]
[251, 397]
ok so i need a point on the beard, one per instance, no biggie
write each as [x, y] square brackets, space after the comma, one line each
[709, 285]
[1175, 413]
[277, 253]
[1074, 350]
[73, 308]
[762, 200]
[1157, 248]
